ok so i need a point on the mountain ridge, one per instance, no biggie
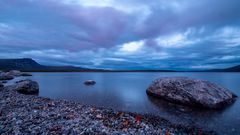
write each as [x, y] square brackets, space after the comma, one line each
[30, 65]
[230, 69]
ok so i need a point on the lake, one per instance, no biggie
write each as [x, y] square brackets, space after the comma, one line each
[127, 92]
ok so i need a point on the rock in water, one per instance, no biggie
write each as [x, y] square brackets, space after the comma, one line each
[191, 92]
[14, 73]
[9, 75]
[26, 87]
[89, 82]
[4, 76]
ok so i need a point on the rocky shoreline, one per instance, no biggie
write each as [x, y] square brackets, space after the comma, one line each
[30, 114]
[24, 113]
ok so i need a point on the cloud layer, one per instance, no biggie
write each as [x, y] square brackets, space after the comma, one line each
[126, 34]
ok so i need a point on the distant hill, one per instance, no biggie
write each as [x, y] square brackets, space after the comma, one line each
[27, 64]
[20, 64]
[231, 69]
[234, 69]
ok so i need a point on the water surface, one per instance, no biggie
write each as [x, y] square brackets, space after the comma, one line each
[127, 92]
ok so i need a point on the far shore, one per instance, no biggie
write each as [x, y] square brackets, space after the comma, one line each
[127, 71]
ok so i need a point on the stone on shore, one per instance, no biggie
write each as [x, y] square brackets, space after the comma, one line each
[89, 82]
[191, 92]
[26, 87]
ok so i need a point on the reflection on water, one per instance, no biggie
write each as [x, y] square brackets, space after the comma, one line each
[127, 92]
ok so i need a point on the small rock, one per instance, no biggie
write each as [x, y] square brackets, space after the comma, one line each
[69, 117]
[89, 82]
[55, 128]
[99, 116]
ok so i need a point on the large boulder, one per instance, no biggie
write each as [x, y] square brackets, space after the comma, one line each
[191, 92]
[26, 87]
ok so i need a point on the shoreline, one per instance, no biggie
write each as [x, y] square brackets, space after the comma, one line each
[30, 114]
[120, 71]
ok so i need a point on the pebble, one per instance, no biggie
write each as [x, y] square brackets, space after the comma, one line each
[29, 114]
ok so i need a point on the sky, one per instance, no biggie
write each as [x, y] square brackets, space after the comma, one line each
[122, 34]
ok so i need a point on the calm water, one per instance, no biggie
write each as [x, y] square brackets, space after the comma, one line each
[127, 92]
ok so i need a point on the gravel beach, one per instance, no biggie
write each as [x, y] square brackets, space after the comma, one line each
[29, 114]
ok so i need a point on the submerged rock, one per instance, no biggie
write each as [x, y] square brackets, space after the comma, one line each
[89, 82]
[26, 87]
[191, 92]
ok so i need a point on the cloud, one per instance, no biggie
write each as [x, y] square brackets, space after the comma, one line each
[177, 40]
[180, 15]
[132, 47]
[124, 34]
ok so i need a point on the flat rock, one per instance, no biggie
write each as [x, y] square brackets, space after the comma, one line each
[26, 87]
[191, 92]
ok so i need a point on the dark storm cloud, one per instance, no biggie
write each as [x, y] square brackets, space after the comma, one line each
[126, 34]
[190, 13]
